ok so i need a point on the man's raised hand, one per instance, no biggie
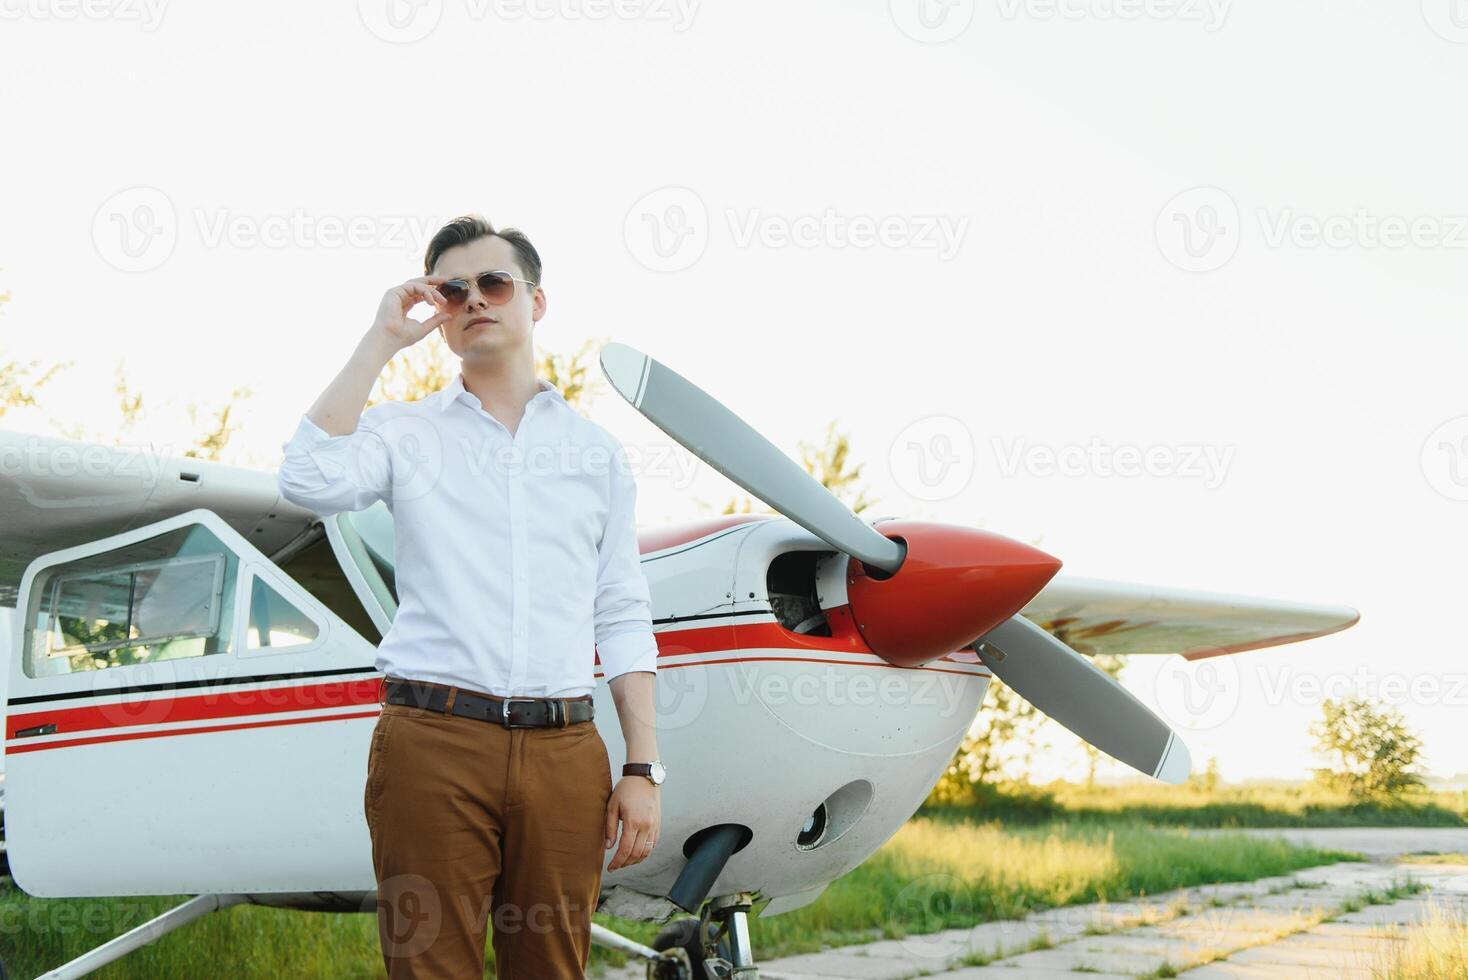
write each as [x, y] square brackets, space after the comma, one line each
[393, 322]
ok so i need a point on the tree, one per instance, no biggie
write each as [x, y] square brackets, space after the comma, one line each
[829, 462]
[995, 754]
[1371, 754]
[1003, 742]
[572, 373]
[213, 425]
[19, 382]
[1208, 780]
[414, 373]
[217, 431]
[424, 368]
[1008, 731]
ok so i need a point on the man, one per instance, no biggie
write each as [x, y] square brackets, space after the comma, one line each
[516, 548]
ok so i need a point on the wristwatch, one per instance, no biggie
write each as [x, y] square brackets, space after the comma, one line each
[653, 770]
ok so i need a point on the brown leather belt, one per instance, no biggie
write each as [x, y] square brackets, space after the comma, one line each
[513, 712]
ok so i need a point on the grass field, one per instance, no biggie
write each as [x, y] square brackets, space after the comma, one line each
[1435, 950]
[937, 872]
[1263, 805]
[1454, 859]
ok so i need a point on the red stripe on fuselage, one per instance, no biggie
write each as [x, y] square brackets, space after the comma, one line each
[242, 701]
[124, 736]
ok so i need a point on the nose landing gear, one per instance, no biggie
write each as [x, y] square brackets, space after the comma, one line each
[714, 946]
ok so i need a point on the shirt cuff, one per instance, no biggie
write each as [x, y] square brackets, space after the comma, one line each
[324, 449]
[627, 652]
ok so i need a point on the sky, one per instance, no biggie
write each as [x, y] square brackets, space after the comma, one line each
[1174, 288]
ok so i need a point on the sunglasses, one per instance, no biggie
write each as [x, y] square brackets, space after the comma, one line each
[497, 288]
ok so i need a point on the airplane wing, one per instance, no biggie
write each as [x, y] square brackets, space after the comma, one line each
[1094, 616]
[56, 493]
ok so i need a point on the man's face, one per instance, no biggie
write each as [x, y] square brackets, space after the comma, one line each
[478, 328]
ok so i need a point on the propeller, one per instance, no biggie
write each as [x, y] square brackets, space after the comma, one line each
[703, 426]
[960, 581]
[1070, 689]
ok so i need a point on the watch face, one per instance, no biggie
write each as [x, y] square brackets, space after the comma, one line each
[658, 773]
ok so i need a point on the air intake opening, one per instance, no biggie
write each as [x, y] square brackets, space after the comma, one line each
[791, 584]
[835, 815]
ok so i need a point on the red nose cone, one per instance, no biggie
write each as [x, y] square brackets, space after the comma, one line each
[955, 585]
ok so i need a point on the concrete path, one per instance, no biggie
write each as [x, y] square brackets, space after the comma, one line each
[1330, 921]
[1375, 843]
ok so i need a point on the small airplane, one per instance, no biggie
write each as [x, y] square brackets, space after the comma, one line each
[192, 689]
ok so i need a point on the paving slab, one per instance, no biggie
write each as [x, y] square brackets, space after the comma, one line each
[1010, 973]
[1406, 912]
[1224, 970]
[1299, 957]
[1079, 961]
[1378, 843]
[1339, 942]
[1269, 931]
[847, 966]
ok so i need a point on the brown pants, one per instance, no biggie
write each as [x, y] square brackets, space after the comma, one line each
[471, 822]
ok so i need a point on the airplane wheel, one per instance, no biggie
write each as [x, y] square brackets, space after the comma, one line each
[681, 935]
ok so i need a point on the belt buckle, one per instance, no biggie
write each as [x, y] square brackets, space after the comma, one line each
[505, 712]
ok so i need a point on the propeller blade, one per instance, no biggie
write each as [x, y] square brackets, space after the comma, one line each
[704, 427]
[1068, 688]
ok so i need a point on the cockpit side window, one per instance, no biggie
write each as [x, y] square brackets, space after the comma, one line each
[164, 598]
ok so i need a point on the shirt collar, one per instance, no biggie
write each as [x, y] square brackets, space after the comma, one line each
[455, 391]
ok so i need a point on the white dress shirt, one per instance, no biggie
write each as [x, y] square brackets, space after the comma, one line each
[513, 554]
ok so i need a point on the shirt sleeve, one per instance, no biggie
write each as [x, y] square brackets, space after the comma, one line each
[624, 637]
[329, 474]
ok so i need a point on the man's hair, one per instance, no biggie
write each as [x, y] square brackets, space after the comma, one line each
[468, 228]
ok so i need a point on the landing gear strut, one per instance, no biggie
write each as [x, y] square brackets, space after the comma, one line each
[715, 946]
